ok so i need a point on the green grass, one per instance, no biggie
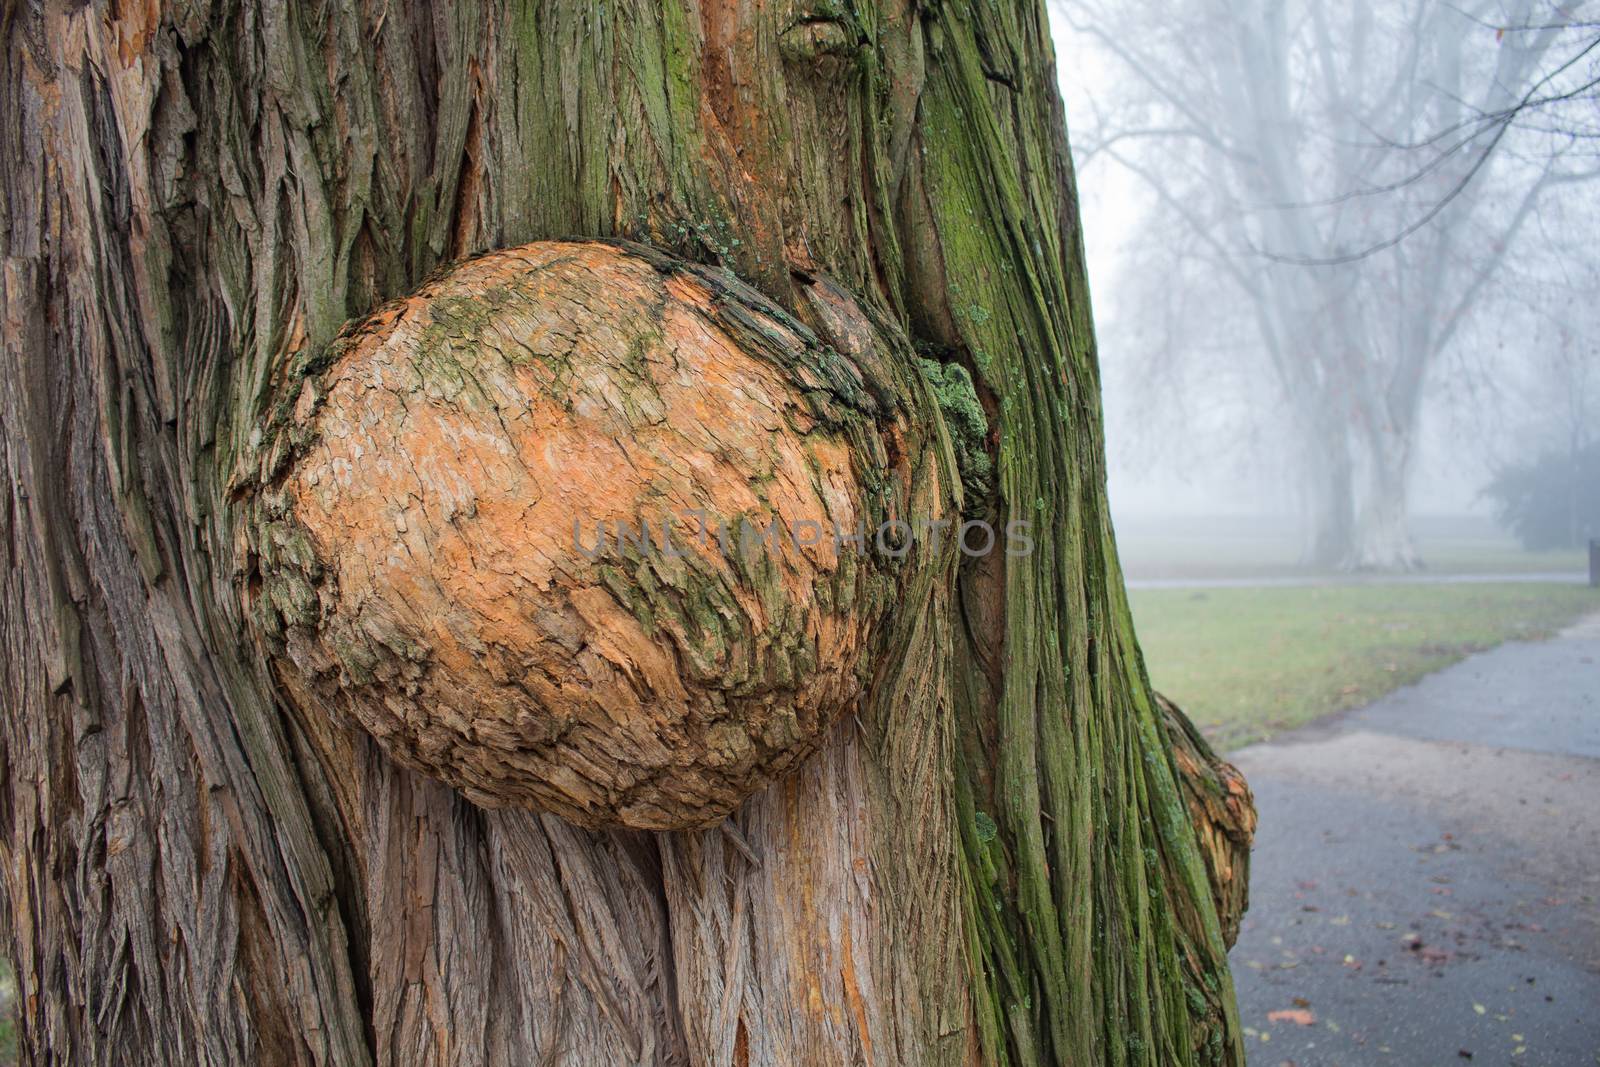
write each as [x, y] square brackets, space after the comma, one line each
[1247, 663]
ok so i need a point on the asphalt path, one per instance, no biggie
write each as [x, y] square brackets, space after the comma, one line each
[1425, 885]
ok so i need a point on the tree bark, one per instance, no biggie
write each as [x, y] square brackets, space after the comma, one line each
[1001, 851]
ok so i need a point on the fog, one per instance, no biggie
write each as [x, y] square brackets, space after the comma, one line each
[1344, 262]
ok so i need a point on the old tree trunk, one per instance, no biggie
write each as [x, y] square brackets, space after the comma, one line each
[322, 746]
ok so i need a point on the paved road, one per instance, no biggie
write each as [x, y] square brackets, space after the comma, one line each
[1426, 883]
[1287, 581]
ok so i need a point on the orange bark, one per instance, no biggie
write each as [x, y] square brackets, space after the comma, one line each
[465, 468]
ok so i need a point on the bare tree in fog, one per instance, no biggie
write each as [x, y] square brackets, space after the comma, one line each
[1348, 180]
[1552, 401]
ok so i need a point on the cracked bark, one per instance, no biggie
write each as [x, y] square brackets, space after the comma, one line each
[988, 854]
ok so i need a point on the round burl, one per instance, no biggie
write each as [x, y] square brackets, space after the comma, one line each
[519, 527]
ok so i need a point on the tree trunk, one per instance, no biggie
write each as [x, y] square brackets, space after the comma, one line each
[1357, 497]
[1383, 538]
[944, 823]
[1330, 539]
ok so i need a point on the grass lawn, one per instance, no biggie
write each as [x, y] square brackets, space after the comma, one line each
[1246, 663]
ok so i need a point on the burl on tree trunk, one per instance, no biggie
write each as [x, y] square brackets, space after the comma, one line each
[371, 697]
[454, 544]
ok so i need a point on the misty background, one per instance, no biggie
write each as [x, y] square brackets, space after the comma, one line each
[1344, 260]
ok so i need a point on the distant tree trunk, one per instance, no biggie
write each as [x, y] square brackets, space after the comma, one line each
[1383, 537]
[228, 834]
[1357, 495]
[1330, 494]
